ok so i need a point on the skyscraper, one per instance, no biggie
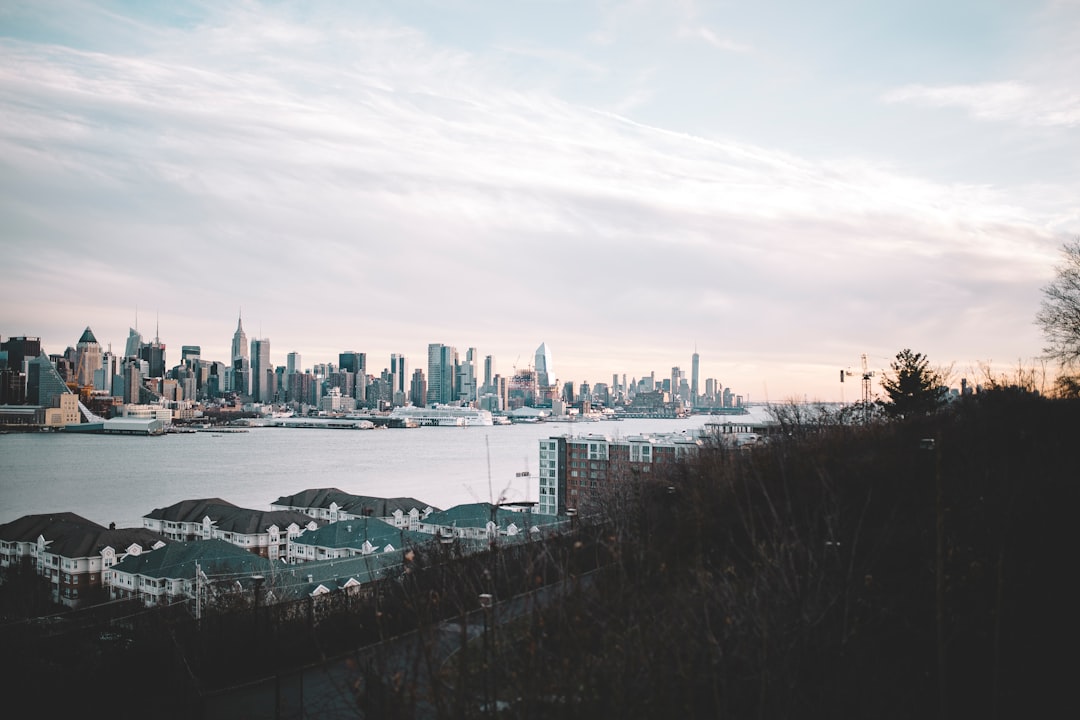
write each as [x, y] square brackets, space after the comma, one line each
[418, 388]
[399, 370]
[21, 349]
[356, 363]
[262, 372]
[292, 366]
[43, 382]
[239, 341]
[544, 372]
[87, 358]
[466, 377]
[489, 374]
[134, 342]
[442, 374]
[694, 370]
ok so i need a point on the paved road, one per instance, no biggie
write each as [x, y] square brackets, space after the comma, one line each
[337, 688]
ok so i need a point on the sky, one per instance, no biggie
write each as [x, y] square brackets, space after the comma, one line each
[782, 186]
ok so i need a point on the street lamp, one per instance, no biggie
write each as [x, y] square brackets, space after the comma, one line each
[487, 602]
[258, 581]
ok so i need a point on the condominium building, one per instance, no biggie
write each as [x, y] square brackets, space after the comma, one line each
[576, 471]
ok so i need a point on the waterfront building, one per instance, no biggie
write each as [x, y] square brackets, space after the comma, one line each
[332, 505]
[43, 383]
[485, 521]
[266, 534]
[64, 412]
[349, 538]
[202, 571]
[444, 415]
[74, 554]
[576, 472]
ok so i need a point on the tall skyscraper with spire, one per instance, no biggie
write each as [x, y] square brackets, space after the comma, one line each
[239, 340]
[241, 368]
[695, 361]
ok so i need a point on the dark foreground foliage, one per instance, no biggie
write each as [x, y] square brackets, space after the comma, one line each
[839, 571]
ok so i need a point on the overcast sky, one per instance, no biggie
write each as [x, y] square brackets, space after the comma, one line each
[782, 185]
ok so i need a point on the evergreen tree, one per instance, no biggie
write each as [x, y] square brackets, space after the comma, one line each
[913, 387]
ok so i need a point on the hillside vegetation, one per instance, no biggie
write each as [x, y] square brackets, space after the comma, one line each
[907, 569]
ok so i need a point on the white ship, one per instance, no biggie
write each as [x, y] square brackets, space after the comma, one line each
[449, 415]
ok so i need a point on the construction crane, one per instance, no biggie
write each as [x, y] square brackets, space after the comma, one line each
[867, 378]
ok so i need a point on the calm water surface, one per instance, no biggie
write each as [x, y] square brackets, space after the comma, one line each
[119, 479]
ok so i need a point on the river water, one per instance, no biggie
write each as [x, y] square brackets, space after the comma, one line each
[121, 478]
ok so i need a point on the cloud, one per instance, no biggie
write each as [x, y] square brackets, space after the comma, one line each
[703, 33]
[352, 183]
[998, 101]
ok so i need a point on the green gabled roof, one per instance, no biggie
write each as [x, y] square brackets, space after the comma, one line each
[88, 336]
[353, 534]
[177, 560]
[293, 582]
[352, 504]
[477, 515]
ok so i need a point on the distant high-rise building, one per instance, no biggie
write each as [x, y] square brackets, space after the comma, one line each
[134, 342]
[262, 372]
[356, 363]
[132, 380]
[544, 371]
[43, 383]
[694, 370]
[239, 341]
[87, 358]
[292, 366]
[489, 373]
[190, 354]
[442, 374]
[418, 388]
[466, 377]
[241, 377]
[20, 350]
[399, 370]
[154, 355]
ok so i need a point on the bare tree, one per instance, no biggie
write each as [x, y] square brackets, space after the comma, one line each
[1059, 315]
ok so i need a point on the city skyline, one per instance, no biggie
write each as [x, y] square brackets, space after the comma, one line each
[369, 363]
[781, 188]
